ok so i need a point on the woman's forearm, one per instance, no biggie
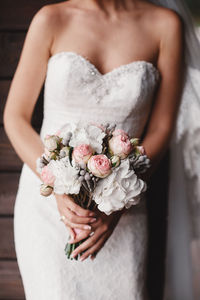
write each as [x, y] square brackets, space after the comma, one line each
[155, 144]
[24, 139]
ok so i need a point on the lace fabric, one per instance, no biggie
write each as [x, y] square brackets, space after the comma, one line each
[75, 91]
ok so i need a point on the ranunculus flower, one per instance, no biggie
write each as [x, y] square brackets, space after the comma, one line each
[82, 153]
[45, 190]
[99, 165]
[120, 145]
[51, 142]
[119, 132]
[47, 176]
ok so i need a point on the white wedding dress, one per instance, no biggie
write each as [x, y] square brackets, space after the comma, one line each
[75, 91]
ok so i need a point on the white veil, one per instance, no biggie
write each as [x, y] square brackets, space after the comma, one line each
[184, 186]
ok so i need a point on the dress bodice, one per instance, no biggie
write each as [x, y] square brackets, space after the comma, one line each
[76, 91]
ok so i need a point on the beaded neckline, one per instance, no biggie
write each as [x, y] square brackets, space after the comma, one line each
[95, 69]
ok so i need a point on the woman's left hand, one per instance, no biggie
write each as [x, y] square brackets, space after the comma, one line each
[102, 229]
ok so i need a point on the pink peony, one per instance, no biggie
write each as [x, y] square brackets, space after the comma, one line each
[99, 165]
[47, 176]
[120, 145]
[119, 132]
[82, 153]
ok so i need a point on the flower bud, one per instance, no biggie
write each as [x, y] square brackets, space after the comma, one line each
[115, 160]
[53, 155]
[64, 151]
[82, 172]
[134, 141]
[45, 190]
[87, 176]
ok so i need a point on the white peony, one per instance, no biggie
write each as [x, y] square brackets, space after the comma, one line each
[122, 188]
[84, 134]
[66, 176]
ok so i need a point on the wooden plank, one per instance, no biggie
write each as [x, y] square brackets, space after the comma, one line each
[7, 248]
[8, 187]
[38, 111]
[10, 281]
[11, 46]
[18, 14]
[9, 161]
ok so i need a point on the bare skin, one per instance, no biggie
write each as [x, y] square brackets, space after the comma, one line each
[110, 34]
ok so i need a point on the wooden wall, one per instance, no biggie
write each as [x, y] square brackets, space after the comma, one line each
[15, 17]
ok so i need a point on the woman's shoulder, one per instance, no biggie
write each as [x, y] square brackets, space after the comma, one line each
[53, 12]
[164, 21]
[50, 18]
[164, 17]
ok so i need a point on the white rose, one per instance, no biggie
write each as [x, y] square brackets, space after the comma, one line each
[51, 142]
[122, 188]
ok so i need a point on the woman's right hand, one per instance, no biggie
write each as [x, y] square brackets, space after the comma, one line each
[77, 219]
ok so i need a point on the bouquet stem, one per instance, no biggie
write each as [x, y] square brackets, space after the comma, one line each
[84, 199]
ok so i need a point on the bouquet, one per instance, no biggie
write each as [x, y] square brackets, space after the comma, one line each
[99, 166]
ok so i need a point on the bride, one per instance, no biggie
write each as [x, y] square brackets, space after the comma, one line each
[116, 61]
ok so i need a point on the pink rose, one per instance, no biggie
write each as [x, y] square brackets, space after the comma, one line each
[47, 176]
[99, 165]
[120, 145]
[119, 132]
[82, 153]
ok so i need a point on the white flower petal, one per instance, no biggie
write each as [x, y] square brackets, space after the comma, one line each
[122, 188]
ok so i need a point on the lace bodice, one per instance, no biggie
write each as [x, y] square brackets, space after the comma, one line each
[76, 91]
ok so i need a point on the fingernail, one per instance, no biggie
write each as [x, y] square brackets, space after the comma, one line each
[81, 258]
[87, 227]
[93, 220]
[70, 241]
[73, 255]
[91, 214]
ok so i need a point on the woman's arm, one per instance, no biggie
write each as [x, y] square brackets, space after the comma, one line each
[23, 93]
[164, 112]
[25, 88]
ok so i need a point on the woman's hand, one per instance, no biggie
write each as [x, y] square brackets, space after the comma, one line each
[77, 219]
[102, 229]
